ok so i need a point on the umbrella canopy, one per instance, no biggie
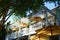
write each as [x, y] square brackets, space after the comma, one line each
[15, 28]
[39, 37]
[36, 19]
[23, 24]
[49, 30]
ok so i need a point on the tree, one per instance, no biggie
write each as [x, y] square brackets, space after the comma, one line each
[19, 7]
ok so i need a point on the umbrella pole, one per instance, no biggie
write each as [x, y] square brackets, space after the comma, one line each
[51, 30]
[39, 36]
[29, 33]
[52, 33]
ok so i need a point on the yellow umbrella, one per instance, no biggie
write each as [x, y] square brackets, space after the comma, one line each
[49, 30]
[39, 37]
[15, 28]
[36, 19]
[23, 24]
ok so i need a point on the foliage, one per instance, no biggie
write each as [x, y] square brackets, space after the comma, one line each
[21, 6]
[3, 33]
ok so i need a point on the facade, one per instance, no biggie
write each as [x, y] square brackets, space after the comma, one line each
[57, 12]
[48, 17]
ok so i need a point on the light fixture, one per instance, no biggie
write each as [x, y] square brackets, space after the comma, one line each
[24, 22]
[36, 19]
[15, 28]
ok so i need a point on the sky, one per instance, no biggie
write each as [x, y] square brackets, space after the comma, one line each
[50, 5]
